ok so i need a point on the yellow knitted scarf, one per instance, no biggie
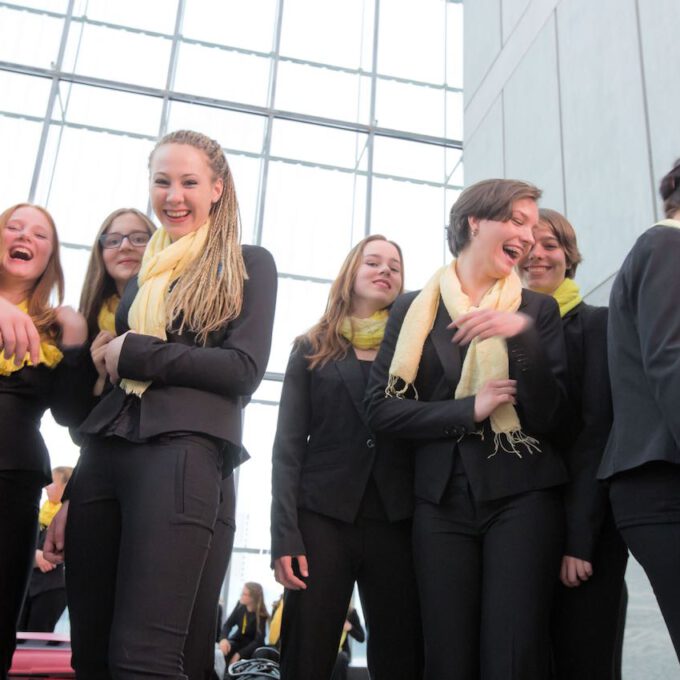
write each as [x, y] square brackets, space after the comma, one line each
[365, 333]
[485, 359]
[50, 355]
[568, 295]
[47, 512]
[106, 320]
[163, 263]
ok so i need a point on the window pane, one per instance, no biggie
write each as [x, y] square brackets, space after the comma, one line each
[322, 92]
[269, 390]
[332, 33]
[238, 23]
[115, 54]
[454, 115]
[24, 94]
[74, 263]
[454, 44]
[212, 72]
[414, 108]
[27, 38]
[19, 140]
[454, 167]
[153, 15]
[246, 172]
[317, 144]
[408, 159]
[50, 5]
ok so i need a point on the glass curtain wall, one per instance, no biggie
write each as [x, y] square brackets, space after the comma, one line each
[339, 119]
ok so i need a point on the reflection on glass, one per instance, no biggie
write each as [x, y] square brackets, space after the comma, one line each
[41, 49]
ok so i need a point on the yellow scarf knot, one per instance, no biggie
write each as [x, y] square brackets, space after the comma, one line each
[568, 296]
[47, 512]
[106, 319]
[365, 333]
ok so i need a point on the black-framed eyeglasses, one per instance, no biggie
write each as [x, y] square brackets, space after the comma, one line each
[114, 240]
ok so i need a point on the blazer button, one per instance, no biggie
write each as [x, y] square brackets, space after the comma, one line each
[370, 443]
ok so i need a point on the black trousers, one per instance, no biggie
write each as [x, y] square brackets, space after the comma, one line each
[587, 619]
[140, 523]
[199, 648]
[646, 505]
[19, 499]
[377, 556]
[486, 576]
[42, 611]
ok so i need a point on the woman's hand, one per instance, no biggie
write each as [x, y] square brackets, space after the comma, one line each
[18, 334]
[492, 395]
[487, 323]
[225, 646]
[53, 549]
[574, 570]
[112, 355]
[73, 326]
[98, 353]
[235, 658]
[43, 564]
[283, 571]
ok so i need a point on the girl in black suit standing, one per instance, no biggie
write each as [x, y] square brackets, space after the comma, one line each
[642, 457]
[586, 617]
[342, 497]
[41, 367]
[471, 372]
[193, 343]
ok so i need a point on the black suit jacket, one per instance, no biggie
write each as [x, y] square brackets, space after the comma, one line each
[441, 427]
[644, 355]
[324, 451]
[195, 388]
[585, 431]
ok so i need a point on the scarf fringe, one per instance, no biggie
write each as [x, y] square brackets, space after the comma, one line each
[510, 441]
[392, 391]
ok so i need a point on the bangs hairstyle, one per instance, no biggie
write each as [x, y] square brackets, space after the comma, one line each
[98, 284]
[327, 344]
[669, 189]
[210, 292]
[490, 199]
[39, 307]
[565, 235]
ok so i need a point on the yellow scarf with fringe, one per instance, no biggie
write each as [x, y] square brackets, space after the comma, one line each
[365, 333]
[163, 263]
[47, 512]
[568, 295]
[50, 354]
[106, 319]
[485, 359]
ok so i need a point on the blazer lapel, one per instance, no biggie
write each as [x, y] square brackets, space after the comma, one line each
[350, 372]
[448, 352]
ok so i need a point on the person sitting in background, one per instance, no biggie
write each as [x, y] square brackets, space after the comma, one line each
[46, 598]
[351, 627]
[249, 620]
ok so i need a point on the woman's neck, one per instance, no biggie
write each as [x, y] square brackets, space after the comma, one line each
[14, 291]
[363, 309]
[473, 281]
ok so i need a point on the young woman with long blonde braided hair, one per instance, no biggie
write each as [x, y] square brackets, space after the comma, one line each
[193, 344]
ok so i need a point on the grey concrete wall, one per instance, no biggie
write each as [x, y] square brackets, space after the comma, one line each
[581, 98]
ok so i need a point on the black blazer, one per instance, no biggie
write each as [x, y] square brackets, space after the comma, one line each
[26, 394]
[585, 432]
[244, 642]
[440, 427]
[195, 388]
[324, 451]
[644, 355]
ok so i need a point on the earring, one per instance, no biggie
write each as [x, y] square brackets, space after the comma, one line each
[474, 232]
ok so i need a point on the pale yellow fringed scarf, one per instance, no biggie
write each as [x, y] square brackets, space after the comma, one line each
[163, 263]
[485, 360]
[567, 295]
[106, 319]
[50, 354]
[365, 333]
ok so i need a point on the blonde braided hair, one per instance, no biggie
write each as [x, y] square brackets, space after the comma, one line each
[209, 293]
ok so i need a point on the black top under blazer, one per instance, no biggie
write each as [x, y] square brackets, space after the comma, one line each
[26, 394]
[587, 427]
[324, 451]
[644, 355]
[195, 388]
[440, 427]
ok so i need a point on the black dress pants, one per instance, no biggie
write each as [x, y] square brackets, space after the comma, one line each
[140, 524]
[42, 611]
[646, 505]
[486, 576]
[199, 648]
[19, 499]
[586, 619]
[377, 556]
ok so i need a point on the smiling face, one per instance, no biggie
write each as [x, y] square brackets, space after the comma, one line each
[27, 245]
[378, 279]
[545, 266]
[498, 246]
[123, 263]
[182, 188]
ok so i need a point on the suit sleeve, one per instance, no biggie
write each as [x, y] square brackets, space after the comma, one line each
[71, 397]
[411, 418]
[233, 369]
[538, 363]
[290, 446]
[246, 652]
[586, 499]
[357, 632]
[231, 621]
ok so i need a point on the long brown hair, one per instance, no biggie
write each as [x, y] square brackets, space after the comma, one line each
[257, 595]
[327, 344]
[39, 307]
[669, 188]
[98, 284]
[210, 292]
